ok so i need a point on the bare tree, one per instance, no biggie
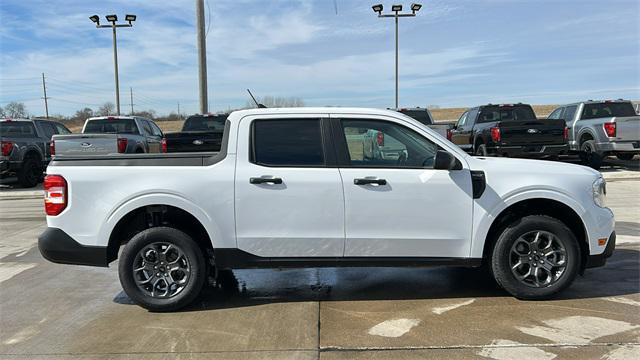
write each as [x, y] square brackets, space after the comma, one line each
[149, 114]
[277, 102]
[107, 109]
[2, 112]
[16, 109]
[82, 114]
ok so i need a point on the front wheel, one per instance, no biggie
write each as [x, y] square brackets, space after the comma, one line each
[162, 269]
[535, 257]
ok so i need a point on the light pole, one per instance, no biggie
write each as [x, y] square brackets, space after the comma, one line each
[396, 13]
[113, 19]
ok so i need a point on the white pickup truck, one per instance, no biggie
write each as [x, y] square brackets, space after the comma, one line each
[290, 188]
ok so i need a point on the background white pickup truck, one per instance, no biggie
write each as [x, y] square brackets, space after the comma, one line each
[291, 188]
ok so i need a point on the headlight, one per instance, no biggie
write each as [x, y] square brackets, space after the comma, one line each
[600, 192]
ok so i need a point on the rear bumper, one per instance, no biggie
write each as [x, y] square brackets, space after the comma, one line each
[57, 246]
[530, 150]
[601, 259]
[626, 146]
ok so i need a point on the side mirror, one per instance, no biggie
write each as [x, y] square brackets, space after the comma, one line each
[446, 161]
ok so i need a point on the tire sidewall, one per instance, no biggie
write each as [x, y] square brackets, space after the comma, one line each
[24, 176]
[589, 154]
[191, 251]
[501, 253]
[482, 150]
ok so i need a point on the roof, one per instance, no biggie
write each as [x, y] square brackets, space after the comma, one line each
[10, 119]
[236, 115]
[597, 101]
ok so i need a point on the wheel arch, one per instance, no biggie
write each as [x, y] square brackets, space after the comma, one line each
[585, 134]
[157, 210]
[539, 206]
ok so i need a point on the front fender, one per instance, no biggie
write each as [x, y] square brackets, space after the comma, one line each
[158, 198]
[488, 208]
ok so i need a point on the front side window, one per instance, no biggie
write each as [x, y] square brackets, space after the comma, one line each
[374, 143]
[462, 120]
[291, 142]
[156, 130]
[62, 129]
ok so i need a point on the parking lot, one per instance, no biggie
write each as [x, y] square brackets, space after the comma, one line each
[57, 311]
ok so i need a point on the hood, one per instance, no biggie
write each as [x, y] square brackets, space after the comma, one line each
[528, 166]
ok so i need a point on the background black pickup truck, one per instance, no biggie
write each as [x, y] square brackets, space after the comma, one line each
[25, 148]
[199, 133]
[509, 130]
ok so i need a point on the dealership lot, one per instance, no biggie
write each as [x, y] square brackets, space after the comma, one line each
[57, 311]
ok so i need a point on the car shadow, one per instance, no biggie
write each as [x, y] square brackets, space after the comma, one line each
[245, 288]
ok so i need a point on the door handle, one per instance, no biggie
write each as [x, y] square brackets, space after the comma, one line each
[265, 180]
[367, 181]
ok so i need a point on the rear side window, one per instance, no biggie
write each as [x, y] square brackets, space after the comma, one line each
[292, 142]
[611, 109]
[147, 128]
[569, 112]
[111, 126]
[21, 129]
[49, 129]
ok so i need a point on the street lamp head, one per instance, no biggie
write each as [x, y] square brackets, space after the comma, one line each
[112, 18]
[396, 8]
[415, 7]
[130, 18]
[95, 19]
[378, 8]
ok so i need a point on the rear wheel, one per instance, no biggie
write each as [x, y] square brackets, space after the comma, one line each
[625, 156]
[30, 173]
[162, 269]
[535, 257]
[589, 155]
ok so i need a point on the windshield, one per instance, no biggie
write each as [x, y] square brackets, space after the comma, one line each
[205, 123]
[17, 129]
[607, 109]
[111, 126]
[506, 113]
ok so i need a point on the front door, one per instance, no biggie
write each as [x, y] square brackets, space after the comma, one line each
[399, 206]
[289, 202]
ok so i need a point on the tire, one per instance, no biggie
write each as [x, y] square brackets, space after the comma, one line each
[139, 151]
[543, 279]
[30, 173]
[625, 156]
[481, 150]
[589, 154]
[184, 253]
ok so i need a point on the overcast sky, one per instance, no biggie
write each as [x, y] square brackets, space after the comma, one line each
[454, 53]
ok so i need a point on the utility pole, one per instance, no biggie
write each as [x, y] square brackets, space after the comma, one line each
[46, 104]
[131, 94]
[179, 110]
[202, 57]
[113, 19]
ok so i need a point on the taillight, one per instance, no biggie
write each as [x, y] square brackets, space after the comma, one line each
[495, 134]
[122, 145]
[610, 129]
[449, 134]
[55, 194]
[380, 138]
[6, 147]
[163, 142]
[52, 148]
[565, 133]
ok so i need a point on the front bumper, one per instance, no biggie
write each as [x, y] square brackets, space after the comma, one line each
[57, 246]
[601, 259]
[530, 151]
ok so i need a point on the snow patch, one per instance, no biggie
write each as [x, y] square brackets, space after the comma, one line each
[508, 350]
[444, 309]
[393, 328]
[577, 329]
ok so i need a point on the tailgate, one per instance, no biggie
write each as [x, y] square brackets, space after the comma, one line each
[193, 141]
[86, 144]
[628, 128]
[532, 132]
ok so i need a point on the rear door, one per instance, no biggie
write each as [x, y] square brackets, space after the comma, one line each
[461, 135]
[153, 140]
[401, 208]
[288, 192]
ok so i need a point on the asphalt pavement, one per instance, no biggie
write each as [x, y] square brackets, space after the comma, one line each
[51, 311]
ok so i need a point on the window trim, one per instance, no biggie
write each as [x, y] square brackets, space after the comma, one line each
[342, 148]
[325, 142]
